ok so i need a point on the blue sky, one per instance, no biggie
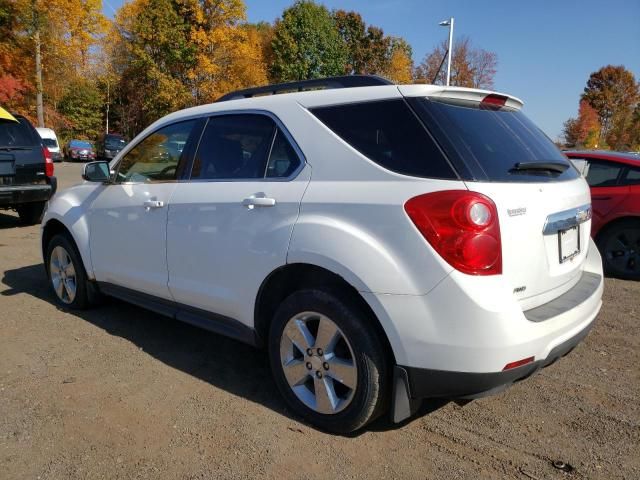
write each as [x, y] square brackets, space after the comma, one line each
[546, 49]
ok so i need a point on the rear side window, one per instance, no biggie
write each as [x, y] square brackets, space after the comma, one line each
[20, 134]
[389, 134]
[632, 177]
[603, 174]
[489, 141]
[234, 147]
[243, 147]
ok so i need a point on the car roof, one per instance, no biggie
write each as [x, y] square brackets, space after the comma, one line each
[332, 96]
[627, 158]
[46, 131]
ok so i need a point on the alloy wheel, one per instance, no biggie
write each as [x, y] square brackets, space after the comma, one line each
[318, 362]
[63, 275]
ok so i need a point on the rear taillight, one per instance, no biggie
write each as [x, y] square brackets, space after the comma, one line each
[462, 227]
[48, 162]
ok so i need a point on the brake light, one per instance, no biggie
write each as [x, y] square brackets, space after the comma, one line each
[462, 227]
[494, 100]
[48, 162]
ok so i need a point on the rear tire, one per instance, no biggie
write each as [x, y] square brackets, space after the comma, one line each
[31, 213]
[619, 245]
[343, 384]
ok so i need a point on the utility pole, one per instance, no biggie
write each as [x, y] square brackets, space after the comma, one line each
[449, 23]
[107, 129]
[36, 38]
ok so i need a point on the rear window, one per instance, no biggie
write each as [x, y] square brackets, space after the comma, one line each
[389, 134]
[488, 141]
[20, 134]
[49, 142]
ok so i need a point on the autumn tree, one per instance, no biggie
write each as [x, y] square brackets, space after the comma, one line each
[470, 66]
[399, 68]
[583, 131]
[81, 107]
[306, 44]
[614, 94]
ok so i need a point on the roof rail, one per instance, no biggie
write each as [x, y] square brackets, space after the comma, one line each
[345, 81]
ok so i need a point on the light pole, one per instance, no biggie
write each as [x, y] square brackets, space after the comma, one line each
[449, 23]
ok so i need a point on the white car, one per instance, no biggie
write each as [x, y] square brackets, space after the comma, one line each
[50, 140]
[384, 243]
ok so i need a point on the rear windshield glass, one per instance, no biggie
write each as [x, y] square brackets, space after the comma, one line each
[388, 133]
[490, 141]
[49, 142]
[19, 134]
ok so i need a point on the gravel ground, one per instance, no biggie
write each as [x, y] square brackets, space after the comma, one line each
[118, 392]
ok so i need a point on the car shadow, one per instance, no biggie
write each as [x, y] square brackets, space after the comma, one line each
[225, 363]
[10, 221]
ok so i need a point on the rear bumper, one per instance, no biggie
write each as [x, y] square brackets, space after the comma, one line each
[17, 194]
[425, 383]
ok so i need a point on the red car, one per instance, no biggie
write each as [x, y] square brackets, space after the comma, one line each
[614, 179]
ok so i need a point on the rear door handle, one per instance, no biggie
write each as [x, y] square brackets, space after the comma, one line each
[149, 204]
[601, 197]
[252, 202]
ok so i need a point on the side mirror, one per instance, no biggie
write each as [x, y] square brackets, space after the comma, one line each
[96, 172]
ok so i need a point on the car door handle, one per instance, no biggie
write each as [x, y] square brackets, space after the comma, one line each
[149, 204]
[601, 197]
[259, 202]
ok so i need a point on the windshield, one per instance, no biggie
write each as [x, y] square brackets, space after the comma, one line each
[50, 142]
[488, 141]
[114, 142]
[79, 144]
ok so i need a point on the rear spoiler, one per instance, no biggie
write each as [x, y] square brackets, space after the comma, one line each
[472, 94]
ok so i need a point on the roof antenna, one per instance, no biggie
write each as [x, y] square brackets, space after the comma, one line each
[433, 81]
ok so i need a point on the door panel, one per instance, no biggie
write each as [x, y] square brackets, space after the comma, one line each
[128, 219]
[224, 238]
[127, 237]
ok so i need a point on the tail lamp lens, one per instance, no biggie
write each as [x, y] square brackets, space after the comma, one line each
[48, 162]
[462, 227]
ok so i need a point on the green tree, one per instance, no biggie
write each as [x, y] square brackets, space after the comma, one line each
[307, 44]
[82, 109]
[613, 92]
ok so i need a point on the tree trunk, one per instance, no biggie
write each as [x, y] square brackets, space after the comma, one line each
[39, 106]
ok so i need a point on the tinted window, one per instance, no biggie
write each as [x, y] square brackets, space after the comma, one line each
[632, 177]
[49, 142]
[156, 157]
[283, 160]
[389, 134]
[603, 174]
[114, 142]
[19, 134]
[490, 140]
[234, 147]
[79, 144]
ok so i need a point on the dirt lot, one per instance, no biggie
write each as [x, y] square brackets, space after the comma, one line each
[119, 392]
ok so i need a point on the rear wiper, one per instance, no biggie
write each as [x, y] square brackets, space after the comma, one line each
[8, 149]
[550, 166]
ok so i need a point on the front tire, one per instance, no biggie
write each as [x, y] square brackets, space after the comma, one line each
[328, 361]
[619, 245]
[31, 213]
[67, 277]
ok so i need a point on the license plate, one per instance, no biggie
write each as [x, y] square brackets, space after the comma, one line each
[568, 243]
[6, 164]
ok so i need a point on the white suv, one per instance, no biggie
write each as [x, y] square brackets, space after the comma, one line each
[385, 243]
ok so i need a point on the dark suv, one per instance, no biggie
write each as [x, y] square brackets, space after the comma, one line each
[110, 145]
[26, 170]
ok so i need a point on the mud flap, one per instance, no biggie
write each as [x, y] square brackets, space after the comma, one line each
[402, 405]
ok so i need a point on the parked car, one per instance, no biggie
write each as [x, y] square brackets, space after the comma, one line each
[26, 170]
[50, 140]
[384, 243]
[79, 150]
[614, 179]
[109, 145]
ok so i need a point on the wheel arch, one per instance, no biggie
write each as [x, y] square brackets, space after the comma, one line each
[53, 227]
[292, 277]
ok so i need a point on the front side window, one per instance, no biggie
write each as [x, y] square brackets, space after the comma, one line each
[603, 174]
[156, 158]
